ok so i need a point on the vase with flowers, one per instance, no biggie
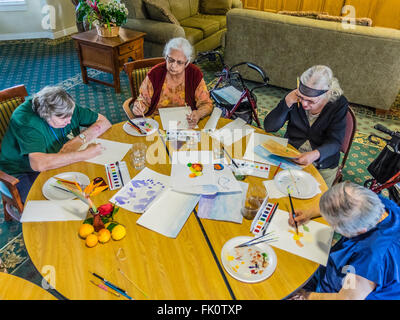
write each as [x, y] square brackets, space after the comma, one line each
[100, 226]
[107, 17]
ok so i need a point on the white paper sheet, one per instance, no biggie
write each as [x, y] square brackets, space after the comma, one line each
[230, 94]
[180, 172]
[232, 132]
[168, 214]
[223, 206]
[213, 120]
[139, 193]
[175, 118]
[54, 210]
[315, 238]
[257, 139]
[113, 151]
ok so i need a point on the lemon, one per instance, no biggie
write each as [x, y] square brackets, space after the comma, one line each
[85, 230]
[118, 232]
[104, 235]
[91, 240]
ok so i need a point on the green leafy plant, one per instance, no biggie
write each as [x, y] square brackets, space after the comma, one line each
[113, 13]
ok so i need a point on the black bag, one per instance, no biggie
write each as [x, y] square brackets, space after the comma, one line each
[385, 166]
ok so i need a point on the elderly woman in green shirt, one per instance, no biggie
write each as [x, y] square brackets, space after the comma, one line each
[44, 133]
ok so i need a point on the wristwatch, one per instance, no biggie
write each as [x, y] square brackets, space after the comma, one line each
[83, 137]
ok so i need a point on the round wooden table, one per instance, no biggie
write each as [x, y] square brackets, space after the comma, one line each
[162, 268]
[15, 288]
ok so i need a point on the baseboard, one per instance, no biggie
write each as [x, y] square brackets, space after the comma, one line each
[36, 35]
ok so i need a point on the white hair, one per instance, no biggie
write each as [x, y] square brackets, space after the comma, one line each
[180, 44]
[350, 208]
[321, 78]
[53, 101]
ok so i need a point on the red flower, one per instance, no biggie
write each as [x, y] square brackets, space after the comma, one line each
[105, 209]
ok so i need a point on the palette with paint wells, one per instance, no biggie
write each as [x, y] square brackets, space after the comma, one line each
[249, 168]
[183, 135]
[117, 174]
[248, 264]
[263, 217]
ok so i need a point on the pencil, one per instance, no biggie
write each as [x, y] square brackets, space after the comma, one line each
[119, 173]
[293, 214]
[298, 84]
[276, 171]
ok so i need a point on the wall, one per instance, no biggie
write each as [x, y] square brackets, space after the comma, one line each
[384, 13]
[35, 22]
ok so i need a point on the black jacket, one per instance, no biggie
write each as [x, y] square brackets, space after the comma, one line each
[326, 134]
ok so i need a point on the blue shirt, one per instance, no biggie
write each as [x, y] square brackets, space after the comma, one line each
[374, 255]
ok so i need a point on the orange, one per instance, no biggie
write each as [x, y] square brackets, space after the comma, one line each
[104, 235]
[118, 232]
[91, 240]
[85, 230]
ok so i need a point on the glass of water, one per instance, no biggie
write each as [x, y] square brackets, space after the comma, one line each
[138, 155]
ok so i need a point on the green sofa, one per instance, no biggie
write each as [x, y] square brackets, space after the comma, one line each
[366, 60]
[204, 31]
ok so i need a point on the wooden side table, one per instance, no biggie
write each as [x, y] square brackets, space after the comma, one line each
[108, 54]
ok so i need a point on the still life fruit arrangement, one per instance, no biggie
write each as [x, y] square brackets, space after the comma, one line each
[100, 226]
[196, 169]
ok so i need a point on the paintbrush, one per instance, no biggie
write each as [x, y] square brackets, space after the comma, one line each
[229, 156]
[136, 127]
[293, 214]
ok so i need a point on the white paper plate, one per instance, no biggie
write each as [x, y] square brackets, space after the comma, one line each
[302, 184]
[147, 124]
[52, 193]
[241, 269]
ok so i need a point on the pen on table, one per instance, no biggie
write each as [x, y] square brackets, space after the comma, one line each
[119, 173]
[276, 171]
[104, 288]
[229, 156]
[293, 214]
[112, 286]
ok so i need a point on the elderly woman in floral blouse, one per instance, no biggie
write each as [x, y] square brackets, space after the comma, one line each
[173, 83]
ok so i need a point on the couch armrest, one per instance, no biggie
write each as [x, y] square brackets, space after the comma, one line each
[237, 4]
[156, 31]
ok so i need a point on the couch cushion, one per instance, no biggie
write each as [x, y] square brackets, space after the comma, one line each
[207, 26]
[181, 9]
[215, 6]
[193, 35]
[221, 19]
[159, 12]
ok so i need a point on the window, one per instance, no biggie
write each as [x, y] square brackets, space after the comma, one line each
[13, 5]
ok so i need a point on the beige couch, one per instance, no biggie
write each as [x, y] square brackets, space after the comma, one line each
[366, 60]
[204, 31]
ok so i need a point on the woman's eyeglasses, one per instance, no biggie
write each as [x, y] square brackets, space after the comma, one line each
[310, 102]
[178, 62]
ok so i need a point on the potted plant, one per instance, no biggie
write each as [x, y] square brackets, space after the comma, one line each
[107, 17]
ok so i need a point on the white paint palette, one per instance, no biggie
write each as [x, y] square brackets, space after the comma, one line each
[250, 168]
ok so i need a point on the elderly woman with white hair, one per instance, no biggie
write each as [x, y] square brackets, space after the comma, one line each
[174, 83]
[316, 114]
[365, 262]
[45, 133]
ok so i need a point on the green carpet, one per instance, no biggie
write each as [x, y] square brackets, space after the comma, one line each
[37, 63]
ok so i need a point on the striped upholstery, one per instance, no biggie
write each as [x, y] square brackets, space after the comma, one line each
[7, 107]
[138, 76]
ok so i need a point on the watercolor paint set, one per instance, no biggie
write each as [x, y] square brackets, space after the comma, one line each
[117, 174]
[255, 169]
[183, 135]
[263, 217]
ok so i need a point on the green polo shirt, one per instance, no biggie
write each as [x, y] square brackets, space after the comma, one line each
[28, 133]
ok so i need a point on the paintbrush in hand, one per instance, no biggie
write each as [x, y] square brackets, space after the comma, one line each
[293, 214]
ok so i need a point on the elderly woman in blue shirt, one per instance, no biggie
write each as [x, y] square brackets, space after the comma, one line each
[364, 263]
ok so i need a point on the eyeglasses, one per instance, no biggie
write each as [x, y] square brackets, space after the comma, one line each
[178, 62]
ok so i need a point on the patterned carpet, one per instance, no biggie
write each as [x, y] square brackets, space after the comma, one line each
[37, 63]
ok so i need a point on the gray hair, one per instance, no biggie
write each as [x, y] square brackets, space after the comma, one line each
[349, 208]
[321, 78]
[180, 44]
[53, 101]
